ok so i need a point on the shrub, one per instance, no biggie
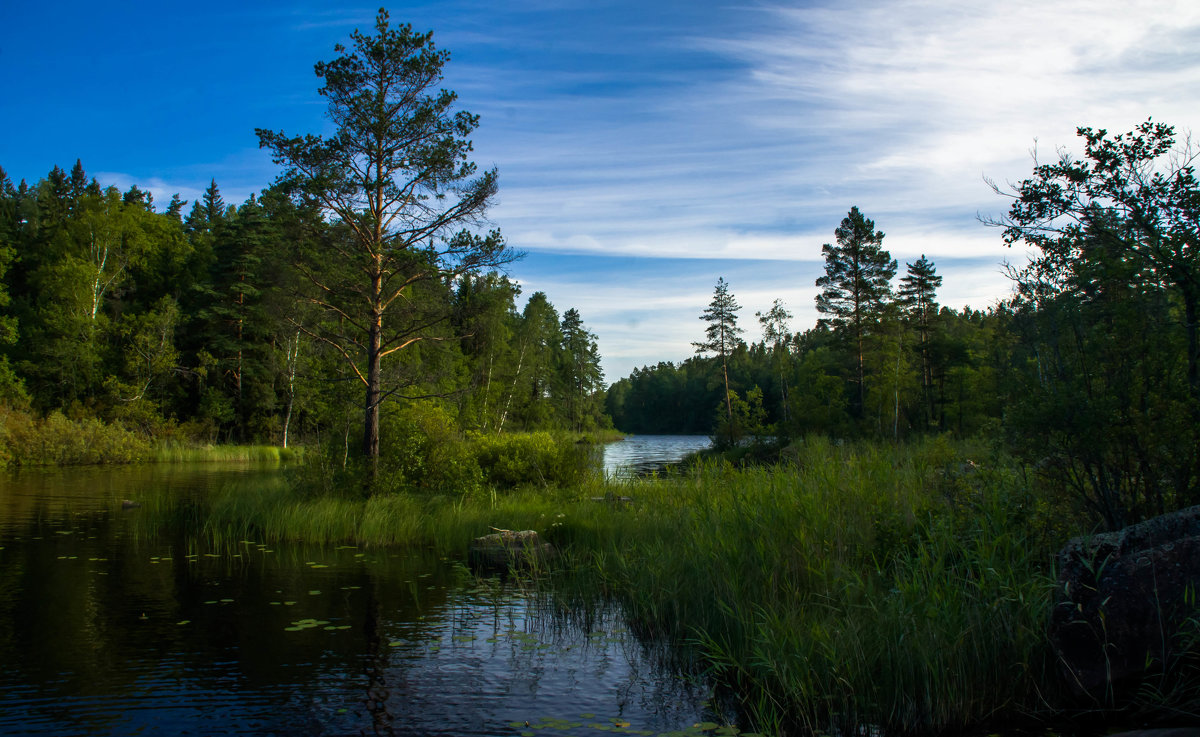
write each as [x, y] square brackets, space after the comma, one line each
[26, 440]
[530, 458]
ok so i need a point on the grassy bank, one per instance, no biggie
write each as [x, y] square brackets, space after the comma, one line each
[902, 588]
[174, 452]
[58, 440]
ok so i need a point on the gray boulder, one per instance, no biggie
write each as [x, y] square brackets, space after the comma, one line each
[1123, 599]
[508, 550]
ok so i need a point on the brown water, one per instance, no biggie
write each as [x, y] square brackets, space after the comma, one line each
[113, 624]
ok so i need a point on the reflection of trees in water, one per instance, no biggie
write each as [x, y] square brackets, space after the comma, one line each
[469, 649]
[375, 666]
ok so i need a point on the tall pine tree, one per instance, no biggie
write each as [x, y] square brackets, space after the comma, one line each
[722, 334]
[856, 286]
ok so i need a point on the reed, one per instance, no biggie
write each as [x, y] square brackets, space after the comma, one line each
[899, 589]
[902, 590]
[171, 451]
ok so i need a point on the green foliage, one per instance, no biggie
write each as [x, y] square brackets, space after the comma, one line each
[905, 588]
[424, 451]
[902, 588]
[855, 287]
[537, 458]
[748, 419]
[399, 186]
[167, 451]
[26, 440]
[1107, 401]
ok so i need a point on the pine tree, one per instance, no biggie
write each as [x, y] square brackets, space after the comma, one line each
[397, 177]
[722, 333]
[855, 286]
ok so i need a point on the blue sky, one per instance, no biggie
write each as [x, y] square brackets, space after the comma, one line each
[644, 148]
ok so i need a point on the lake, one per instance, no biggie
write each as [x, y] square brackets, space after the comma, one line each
[113, 625]
[641, 454]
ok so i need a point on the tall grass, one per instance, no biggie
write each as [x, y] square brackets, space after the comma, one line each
[175, 452]
[276, 511]
[903, 590]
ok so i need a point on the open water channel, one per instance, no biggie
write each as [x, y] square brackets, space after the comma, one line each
[111, 627]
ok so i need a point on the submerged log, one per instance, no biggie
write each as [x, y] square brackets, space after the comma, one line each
[508, 550]
[1123, 602]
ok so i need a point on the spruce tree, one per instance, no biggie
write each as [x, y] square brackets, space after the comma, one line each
[582, 375]
[918, 299]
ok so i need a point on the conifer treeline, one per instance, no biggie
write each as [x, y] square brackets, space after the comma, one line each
[883, 360]
[191, 325]
[925, 368]
[1090, 372]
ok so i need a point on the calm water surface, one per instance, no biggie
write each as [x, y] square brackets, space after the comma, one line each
[111, 626]
[642, 454]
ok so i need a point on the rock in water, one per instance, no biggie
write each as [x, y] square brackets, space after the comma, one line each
[507, 550]
[1123, 599]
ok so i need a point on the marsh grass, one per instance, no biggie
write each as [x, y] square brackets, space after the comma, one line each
[903, 590]
[175, 452]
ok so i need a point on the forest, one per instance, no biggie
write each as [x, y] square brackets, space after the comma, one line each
[203, 327]
[194, 326]
[1088, 373]
[870, 547]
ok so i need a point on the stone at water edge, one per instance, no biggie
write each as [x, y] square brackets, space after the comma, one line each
[507, 549]
[1122, 598]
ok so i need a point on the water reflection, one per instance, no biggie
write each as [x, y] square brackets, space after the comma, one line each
[107, 630]
[638, 455]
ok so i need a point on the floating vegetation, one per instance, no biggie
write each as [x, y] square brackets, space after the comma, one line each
[306, 624]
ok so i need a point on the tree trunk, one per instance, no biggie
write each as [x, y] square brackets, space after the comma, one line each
[728, 403]
[371, 407]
